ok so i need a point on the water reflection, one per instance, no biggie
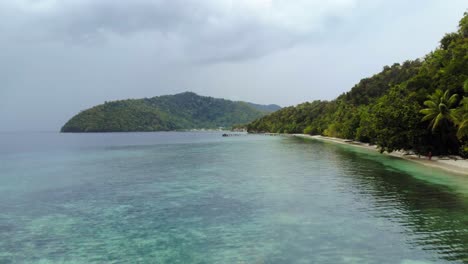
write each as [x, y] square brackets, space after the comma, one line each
[434, 216]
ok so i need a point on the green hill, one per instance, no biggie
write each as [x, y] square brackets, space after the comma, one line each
[419, 105]
[164, 113]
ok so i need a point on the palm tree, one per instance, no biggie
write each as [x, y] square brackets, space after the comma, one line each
[462, 115]
[440, 109]
[463, 119]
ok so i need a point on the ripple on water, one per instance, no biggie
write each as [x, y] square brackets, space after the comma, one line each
[240, 200]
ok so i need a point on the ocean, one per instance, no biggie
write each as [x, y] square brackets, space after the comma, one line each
[198, 197]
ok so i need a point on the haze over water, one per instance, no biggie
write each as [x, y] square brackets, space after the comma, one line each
[202, 198]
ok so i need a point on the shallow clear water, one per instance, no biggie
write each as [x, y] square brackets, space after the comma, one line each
[202, 198]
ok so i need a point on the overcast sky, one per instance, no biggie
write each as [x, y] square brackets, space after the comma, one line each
[58, 57]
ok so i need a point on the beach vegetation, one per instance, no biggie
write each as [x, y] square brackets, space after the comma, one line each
[419, 105]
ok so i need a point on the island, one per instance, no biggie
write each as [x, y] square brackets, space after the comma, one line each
[183, 111]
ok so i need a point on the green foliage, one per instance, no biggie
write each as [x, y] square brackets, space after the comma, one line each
[290, 119]
[440, 111]
[164, 113]
[369, 89]
[462, 115]
[396, 121]
[395, 107]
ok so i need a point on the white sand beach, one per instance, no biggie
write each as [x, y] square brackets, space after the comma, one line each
[454, 164]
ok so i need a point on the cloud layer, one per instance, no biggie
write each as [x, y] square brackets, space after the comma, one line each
[58, 57]
[205, 30]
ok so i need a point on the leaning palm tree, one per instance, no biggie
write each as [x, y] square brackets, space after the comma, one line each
[440, 109]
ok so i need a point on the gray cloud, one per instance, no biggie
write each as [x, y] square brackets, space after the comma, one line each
[58, 57]
[205, 30]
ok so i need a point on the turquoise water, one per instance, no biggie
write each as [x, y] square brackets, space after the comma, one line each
[202, 198]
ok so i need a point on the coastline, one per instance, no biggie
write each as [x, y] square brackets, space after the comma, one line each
[458, 166]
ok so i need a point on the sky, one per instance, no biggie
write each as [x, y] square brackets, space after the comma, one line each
[58, 57]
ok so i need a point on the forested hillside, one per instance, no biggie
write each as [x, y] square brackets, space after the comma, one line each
[171, 112]
[419, 105]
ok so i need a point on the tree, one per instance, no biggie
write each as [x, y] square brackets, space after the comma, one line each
[462, 115]
[443, 118]
[396, 122]
[440, 109]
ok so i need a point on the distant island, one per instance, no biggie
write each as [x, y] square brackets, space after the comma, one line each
[182, 111]
[420, 106]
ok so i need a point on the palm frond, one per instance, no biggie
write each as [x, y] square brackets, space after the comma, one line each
[452, 100]
[430, 104]
[437, 121]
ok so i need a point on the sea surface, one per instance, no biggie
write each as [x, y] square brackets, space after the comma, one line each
[202, 198]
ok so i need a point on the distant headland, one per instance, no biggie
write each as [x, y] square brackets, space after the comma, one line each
[166, 113]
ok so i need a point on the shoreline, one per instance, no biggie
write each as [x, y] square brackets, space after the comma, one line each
[458, 166]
